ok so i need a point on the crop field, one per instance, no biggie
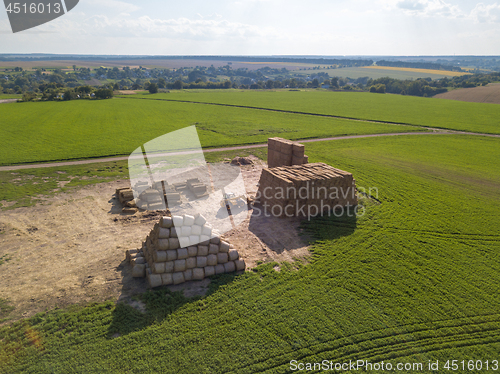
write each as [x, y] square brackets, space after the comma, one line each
[484, 94]
[46, 131]
[444, 73]
[415, 278]
[444, 114]
[368, 71]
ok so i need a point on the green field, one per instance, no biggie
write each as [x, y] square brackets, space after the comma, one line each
[446, 114]
[356, 73]
[10, 96]
[45, 131]
[416, 278]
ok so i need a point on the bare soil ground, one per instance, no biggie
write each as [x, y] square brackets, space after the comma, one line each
[484, 94]
[71, 248]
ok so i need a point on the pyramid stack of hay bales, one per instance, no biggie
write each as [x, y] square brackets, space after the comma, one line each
[183, 248]
[283, 152]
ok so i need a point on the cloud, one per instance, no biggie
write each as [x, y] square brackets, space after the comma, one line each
[486, 13]
[429, 8]
[118, 6]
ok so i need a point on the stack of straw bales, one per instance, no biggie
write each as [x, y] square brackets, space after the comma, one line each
[283, 152]
[183, 248]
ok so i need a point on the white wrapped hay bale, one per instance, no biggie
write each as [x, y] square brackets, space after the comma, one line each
[209, 271]
[192, 251]
[171, 255]
[179, 265]
[139, 271]
[184, 241]
[198, 273]
[199, 220]
[166, 279]
[154, 280]
[178, 278]
[229, 267]
[190, 262]
[240, 264]
[202, 250]
[212, 260]
[194, 239]
[169, 267]
[233, 255]
[223, 246]
[188, 220]
[166, 222]
[201, 261]
[196, 230]
[222, 257]
[163, 244]
[188, 275]
[158, 267]
[177, 221]
[160, 256]
[213, 249]
[173, 243]
[219, 269]
[185, 231]
[182, 253]
[206, 230]
[163, 233]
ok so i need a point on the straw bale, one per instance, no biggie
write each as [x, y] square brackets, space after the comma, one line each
[192, 251]
[167, 279]
[139, 271]
[202, 250]
[169, 267]
[198, 273]
[188, 220]
[188, 275]
[199, 220]
[222, 258]
[173, 243]
[229, 267]
[212, 260]
[182, 253]
[213, 249]
[219, 269]
[233, 255]
[171, 255]
[201, 261]
[179, 265]
[154, 280]
[178, 278]
[166, 222]
[160, 256]
[209, 271]
[190, 262]
[224, 246]
[240, 264]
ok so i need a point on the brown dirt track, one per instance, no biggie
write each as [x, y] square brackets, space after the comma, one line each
[485, 94]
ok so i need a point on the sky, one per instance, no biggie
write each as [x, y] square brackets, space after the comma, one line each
[265, 27]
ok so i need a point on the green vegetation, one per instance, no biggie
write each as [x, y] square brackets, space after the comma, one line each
[37, 132]
[5, 309]
[10, 96]
[416, 278]
[445, 114]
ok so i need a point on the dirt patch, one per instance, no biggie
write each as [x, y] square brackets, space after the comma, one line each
[71, 248]
[484, 94]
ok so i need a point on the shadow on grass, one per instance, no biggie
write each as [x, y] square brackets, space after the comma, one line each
[330, 227]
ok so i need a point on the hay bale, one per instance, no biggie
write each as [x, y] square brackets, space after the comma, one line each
[209, 271]
[131, 204]
[202, 250]
[163, 233]
[199, 220]
[204, 239]
[215, 240]
[233, 255]
[182, 253]
[158, 267]
[206, 230]
[139, 271]
[160, 256]
[169, 267]
[224, 246]
[222, 258]
[194, 239]
[154, 280]
[171, 255]
[177, 221]
[229, 267]
[166, 279]
[138, 260]
[129, 210]
[192, 251]
[212, 260]
[185, 231]
[156, 206]
[129, 253]
[179, 265]
[163, 244]
[166, 222]
[173, 243]
[201, 261]
[178, 277]
[219, 269]
[190, 262]
[240, 264]
[188, 220]
[188, 275]
[195, 230]
[213, 249]
[174, 232]
[184, 241]
[198, 273]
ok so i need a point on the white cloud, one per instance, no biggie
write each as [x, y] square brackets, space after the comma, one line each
[486, 13]
[117, 5]
[429, 8]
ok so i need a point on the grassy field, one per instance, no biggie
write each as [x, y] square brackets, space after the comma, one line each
[45, 131]
[10, 96]
[444, 73]
[361, 72]
[475, 117]
[416, 278]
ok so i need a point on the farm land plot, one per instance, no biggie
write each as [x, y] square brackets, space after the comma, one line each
[416, 278]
